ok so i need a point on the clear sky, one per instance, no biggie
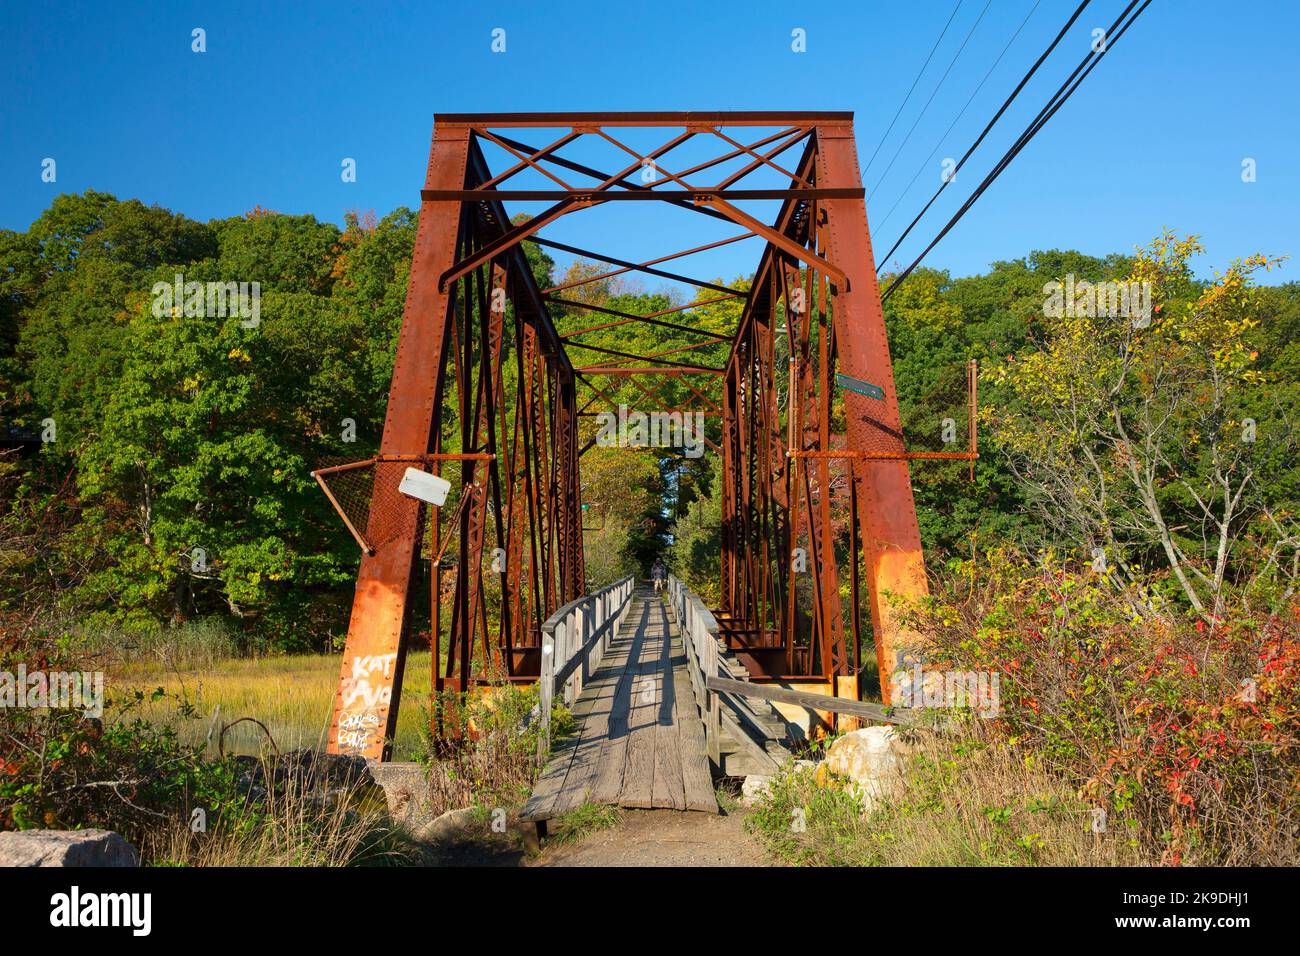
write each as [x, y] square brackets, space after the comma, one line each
[1155, 137]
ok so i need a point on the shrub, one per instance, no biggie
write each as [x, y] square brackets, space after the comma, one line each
[1188, 729]
[493, 762]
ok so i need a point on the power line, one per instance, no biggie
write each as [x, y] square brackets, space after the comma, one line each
[996, 116]
[913, 87]
[951, 64]
[925, 164]
[1058, 100]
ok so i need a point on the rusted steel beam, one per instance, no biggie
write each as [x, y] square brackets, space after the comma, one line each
[777, 238]
[827, 118]
[889, 532]
[648, 370]
[650, 318]
[888, 455]
[641, 266]
[788, 142]
[602, 257]
[764, 160]
[685, 329]
[622, 181]
[370, 681]
[568, 203]
[645, 358]
[589, 195]
[530, 159]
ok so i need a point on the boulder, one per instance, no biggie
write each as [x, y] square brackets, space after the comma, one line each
[754, 788]
[448, 825]
[407, 790]
[869, 759]
[320, 778]
[66, 848]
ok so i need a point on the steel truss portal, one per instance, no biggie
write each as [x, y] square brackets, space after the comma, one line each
[480, 354]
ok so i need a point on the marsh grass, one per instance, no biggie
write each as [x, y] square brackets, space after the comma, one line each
[292, 695]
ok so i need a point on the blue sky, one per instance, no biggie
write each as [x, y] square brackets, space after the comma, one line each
[1154, 138]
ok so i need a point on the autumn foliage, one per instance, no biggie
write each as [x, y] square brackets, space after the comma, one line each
[1186, 734]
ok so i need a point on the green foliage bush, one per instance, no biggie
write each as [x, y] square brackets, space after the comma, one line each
[1189, 730]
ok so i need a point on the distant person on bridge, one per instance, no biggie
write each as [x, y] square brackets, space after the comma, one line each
[658, 574]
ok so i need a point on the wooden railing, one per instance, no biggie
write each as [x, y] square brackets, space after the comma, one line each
[700, 639]
[717, 693]
[574, 639]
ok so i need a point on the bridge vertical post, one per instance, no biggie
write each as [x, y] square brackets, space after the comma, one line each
[886, 511]
[370, 682]
[546, 693]
[707, 648]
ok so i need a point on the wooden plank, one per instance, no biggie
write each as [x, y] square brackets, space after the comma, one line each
[593, 709]
[668, 790]
[541, 803]
[747, 743]
[713, 707]
[697, 781]
[813, 701]
[609, 778]
[638, 772]
[552, 793]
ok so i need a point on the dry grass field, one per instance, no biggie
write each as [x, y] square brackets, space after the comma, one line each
[291, 695]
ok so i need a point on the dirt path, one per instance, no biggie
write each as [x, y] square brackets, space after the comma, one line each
[662, 838]
[640, 838]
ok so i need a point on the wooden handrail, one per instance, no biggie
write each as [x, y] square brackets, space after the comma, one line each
[700, 639]
[839, 705]
[700, 636]
[574, 640]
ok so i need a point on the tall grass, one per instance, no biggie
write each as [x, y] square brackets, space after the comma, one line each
[494, 763]
[292, 695]
[294, 825]
[964, 801]
[203, 642]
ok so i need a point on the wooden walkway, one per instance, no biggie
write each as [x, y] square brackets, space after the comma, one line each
[639, 740]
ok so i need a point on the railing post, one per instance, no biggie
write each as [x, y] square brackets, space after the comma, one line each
[712, 731]
[562, 656]
[546, 684]
[583, 627]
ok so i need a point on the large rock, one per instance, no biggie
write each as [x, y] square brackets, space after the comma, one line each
[447, 826]
[869, 759]
[756, 787]
[407, 789]
[66, 848]
[319, 778]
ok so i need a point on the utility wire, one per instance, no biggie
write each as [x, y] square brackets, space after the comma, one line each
[933, 94]
[913, 88]
[996, 116]
[1091, 60]
[926, 162]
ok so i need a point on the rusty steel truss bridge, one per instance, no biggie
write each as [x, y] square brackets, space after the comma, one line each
[489, 395]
